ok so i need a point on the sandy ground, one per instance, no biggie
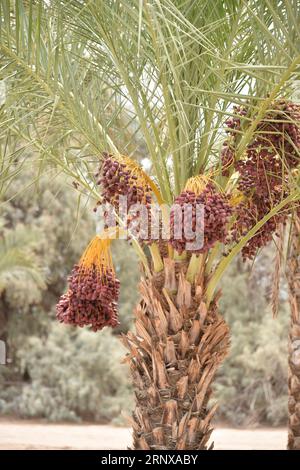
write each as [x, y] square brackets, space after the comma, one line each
[32, 436]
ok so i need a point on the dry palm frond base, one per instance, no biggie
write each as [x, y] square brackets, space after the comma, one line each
[277, 271]
[174, 354]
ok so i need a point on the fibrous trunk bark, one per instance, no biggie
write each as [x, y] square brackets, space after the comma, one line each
[174, 355]
[293, 274]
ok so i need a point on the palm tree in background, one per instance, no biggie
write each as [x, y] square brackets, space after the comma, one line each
[293, 276]
[88, 77]
[17, 260]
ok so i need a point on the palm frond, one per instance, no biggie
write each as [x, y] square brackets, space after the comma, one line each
[104, 72]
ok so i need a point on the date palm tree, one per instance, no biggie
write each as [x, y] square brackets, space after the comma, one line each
[159, 80]
[293, 276]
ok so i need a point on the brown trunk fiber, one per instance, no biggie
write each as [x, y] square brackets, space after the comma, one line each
[173, 356]
[293, 274]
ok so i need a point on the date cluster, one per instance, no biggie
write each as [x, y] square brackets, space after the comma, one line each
[120, 176]
[117, 178]
[264, 169]
[217, 212]
[91, 299]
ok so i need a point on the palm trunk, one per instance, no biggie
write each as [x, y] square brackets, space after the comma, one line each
[293, 274]
[174, 354]
[3, 331]
[3, 319]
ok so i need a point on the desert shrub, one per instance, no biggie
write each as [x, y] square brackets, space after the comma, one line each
[252, 384]
[70, 374]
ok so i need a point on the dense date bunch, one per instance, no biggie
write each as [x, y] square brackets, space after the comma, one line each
[277, 134]
[216, 216]
[280, 131]
[122, 176]
[249, 212]
[91, 299]
[261, 172]
[264, 171]
[274, 150]
[93, 289]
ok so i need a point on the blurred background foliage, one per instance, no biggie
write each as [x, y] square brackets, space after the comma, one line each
[252, 384]
[57, 372]
[60, 373]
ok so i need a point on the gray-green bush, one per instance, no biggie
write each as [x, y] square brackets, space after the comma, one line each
[252, 383]
[72, 375]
